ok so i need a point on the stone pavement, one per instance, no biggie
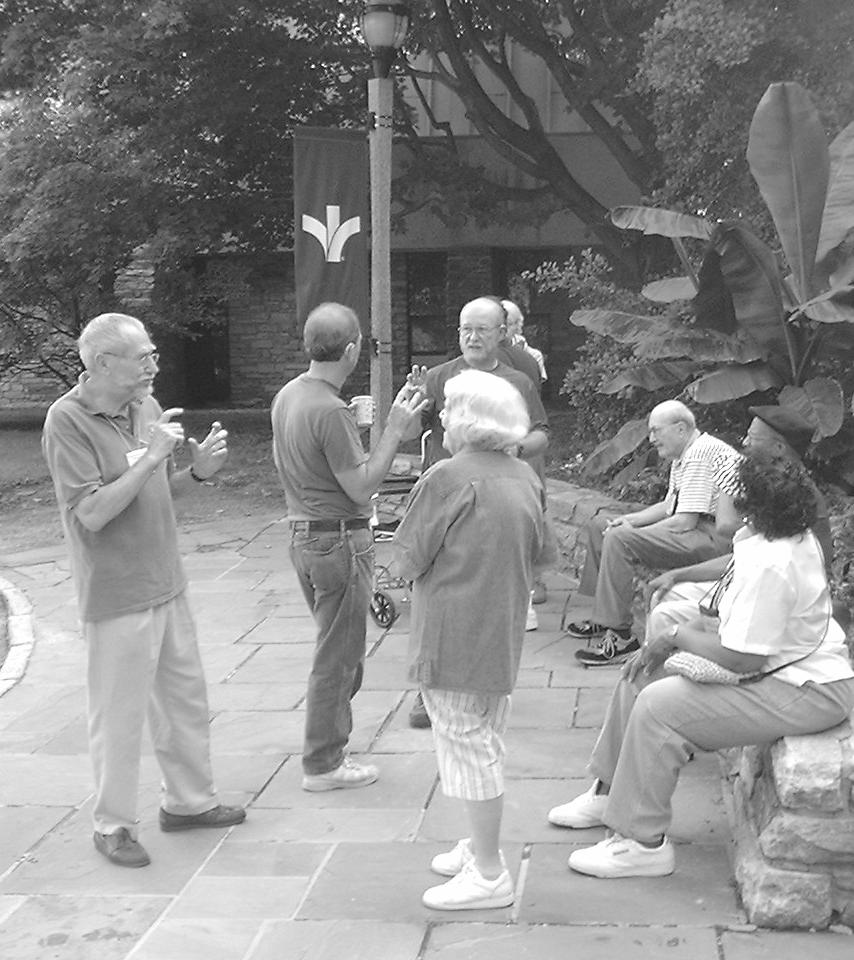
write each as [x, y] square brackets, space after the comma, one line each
[335, 876]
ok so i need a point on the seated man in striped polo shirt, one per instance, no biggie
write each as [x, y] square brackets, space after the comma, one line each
[677, 531]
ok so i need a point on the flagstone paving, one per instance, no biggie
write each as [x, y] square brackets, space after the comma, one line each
[330, 876]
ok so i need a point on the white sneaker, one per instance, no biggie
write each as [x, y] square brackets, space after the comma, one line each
[531, 620]
[451, 863]
[468, 890]
[344, 777]
[621, 857]
[584, 811]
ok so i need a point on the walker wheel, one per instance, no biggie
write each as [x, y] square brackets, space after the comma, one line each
[383, 610]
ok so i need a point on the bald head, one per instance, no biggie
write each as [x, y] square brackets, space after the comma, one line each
[328, 330]
[671, 428]
[483, 309]
[673, 411]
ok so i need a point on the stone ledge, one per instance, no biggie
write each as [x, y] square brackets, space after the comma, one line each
[792, 820]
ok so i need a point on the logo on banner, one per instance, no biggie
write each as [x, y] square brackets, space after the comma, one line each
[333, 234]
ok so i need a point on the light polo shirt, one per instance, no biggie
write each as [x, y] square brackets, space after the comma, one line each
[132, 563]
[692, 487]
[778, 606]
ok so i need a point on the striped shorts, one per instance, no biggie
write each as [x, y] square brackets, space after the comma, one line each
[468, 730]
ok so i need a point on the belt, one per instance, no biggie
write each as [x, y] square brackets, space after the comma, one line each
[327, 526]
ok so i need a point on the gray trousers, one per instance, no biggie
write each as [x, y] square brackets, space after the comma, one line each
[653, 726]
[608, 574]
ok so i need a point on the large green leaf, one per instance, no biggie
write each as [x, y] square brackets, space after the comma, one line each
[701, 346]
[832, 306]
[731, 382]
[623, 327]
[629, 437]
[652, 376]
[662, 223]
[819, 401]
[838, 217]
[670, 290]
[788, 157]
[743, 276]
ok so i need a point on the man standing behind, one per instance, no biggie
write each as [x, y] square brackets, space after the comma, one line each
[674, 532]
[109, 449]
[329, 481]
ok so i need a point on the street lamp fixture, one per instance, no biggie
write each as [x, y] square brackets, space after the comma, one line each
[384, 28]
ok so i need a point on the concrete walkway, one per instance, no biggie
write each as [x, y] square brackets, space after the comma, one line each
[335, 876]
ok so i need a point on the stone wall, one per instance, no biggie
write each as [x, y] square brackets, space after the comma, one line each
[791, 811]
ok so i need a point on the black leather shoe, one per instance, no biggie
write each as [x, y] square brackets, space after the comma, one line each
[217, 817]
[121, 848]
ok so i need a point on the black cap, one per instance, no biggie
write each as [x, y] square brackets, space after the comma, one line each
[795, 429]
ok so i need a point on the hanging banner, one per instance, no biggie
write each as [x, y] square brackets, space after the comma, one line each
[331, 220]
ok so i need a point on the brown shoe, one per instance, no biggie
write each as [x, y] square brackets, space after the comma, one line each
[121, 848]
[219, 816]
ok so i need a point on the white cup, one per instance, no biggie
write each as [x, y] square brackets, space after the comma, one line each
[363, 406]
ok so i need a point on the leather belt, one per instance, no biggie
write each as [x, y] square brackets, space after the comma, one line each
[327, 526]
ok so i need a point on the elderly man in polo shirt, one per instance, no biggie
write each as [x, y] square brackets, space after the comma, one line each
[329, 481]
[678, 530]
[109, 448]
[677, 595]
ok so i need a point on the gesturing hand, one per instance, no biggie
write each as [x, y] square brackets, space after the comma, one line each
[165, 435]
[211, 453]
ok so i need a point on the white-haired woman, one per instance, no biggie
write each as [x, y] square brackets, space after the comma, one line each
[472, 532]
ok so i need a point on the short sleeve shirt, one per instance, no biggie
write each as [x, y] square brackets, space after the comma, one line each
[778, 606]
[692, 487]
[434, 388]
[132, 563]
[314, 437]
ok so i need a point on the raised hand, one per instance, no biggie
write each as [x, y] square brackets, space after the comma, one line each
[165, 435]
[211, 453]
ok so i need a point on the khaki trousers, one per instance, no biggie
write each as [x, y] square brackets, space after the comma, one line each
[147, 663]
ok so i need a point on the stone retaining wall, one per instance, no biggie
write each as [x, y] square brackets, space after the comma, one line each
[791, 811]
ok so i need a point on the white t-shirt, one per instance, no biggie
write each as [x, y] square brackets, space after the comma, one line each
[778, 605]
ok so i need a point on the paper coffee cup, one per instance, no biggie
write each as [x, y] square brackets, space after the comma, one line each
[363, 406]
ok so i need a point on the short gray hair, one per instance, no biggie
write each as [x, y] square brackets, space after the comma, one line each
[485, 411]
[328, 329]
[105, 334]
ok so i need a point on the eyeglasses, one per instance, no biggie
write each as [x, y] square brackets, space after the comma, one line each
[142, 359]
[468, 332]
[655, 431]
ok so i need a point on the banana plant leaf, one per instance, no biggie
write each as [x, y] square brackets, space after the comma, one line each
[652, 376]
[819, 401]
[701, 346]
[731, 382]
[832, 306]
[838, 219]
[788, 157]
[628, 438]
[662, 223]
[622, 327]
[743, 278]
[670, 290]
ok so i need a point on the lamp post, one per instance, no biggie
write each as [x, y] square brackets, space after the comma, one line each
[384, 28]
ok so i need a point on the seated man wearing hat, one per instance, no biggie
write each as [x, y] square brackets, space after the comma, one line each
[677, 594]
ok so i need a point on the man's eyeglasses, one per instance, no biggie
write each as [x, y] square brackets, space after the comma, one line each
[151, 355]
[481, 332]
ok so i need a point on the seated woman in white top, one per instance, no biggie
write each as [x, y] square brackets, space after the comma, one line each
[775, 627]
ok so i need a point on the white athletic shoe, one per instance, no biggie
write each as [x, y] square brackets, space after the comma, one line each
[451, 863]
[621, 857]
[584, 811]
[468, 890]
[531, 622]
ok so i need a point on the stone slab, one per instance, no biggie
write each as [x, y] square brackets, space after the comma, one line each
[700, 892]
[75, 927]
[220, 938]
[331, 824]
[23, 827]
[250, 898]
[239, 858]
[337, 940]
[368, 882]
[789, 945]
[47, 781]
[473, 941]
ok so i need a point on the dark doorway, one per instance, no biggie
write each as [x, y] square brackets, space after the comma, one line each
[206, 366]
